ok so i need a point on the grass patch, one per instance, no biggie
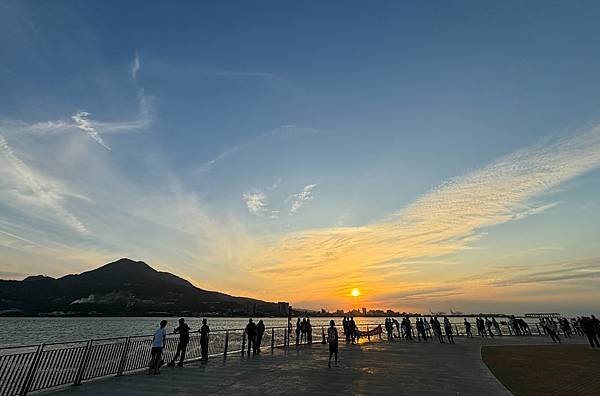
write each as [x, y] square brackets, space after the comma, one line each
[564, 369]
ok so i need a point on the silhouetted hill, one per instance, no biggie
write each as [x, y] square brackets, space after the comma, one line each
[124, 287]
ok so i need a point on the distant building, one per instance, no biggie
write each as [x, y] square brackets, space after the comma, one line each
[283, 308]
[364, 310]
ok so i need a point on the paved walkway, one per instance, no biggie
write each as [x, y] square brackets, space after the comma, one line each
[399, 368]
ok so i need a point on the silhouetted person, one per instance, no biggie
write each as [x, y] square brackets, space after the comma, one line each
[496, 326]
[397, 324]
[308, 331]
[437, 329]
[420, 329]
[332, 340]
[158, 343]
[184, 338]
[353, 330]
[204, 330]
[298, 330]
[551, 328]
[488, 325]
[468, 328]
[260, 331]
[596, 324]
[587, 326]
[251, 332]
[448, 329]
[427, 326]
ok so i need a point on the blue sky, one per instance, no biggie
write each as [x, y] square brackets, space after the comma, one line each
[297, 150]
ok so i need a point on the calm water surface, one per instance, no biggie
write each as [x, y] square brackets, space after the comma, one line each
[26, 331]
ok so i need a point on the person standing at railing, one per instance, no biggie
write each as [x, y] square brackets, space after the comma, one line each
[308, 331]
[303, 331]
[298, 329]
[551, 329]
[427, 326]
[251, 333]
[397, 324]
[420, 329]
[496, 326]
[184, 338]
[448, 330]
[488, 324]
[260, 331]
[468, 328]
[204, 330]
[332, 340]
[353, 329]
[346, 328]
[437, 329]
[587, 326]
[158, 343]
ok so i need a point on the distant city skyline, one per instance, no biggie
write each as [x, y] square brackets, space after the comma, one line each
[339, 155]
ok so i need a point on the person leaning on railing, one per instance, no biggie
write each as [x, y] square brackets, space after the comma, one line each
[184, 338]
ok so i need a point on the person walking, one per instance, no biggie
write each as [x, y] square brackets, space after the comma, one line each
[332, 341]
[184, 338]
[204, 330]
[260, 331]
[158, 343]
[251, 332]
[448, 329]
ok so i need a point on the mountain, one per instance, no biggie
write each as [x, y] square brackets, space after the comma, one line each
[124, 287]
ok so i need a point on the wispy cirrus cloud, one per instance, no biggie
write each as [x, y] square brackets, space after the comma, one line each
[33, 189]
[448, 219]
[299, 199]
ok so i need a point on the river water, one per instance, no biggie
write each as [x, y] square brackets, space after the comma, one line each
[29, 331]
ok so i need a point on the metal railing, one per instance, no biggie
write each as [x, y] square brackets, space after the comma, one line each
[33, 368]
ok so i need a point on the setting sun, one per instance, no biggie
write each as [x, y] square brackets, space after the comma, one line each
[355, 292]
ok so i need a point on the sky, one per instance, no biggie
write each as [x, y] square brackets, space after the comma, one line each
[433, 155]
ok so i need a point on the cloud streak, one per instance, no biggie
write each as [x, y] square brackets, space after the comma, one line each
[83, 122]
[33, 189]
[446, 220]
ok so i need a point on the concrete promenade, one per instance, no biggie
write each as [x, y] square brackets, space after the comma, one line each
[398, 368]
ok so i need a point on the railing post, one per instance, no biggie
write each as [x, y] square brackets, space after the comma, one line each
[226, 345]
[323, 335]
[510, 330]
[83, 364]
[538, 329]
[243, 342]
[123, 360]
[285, 338]
[272, 338]
[32, 371]
[368, 334]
